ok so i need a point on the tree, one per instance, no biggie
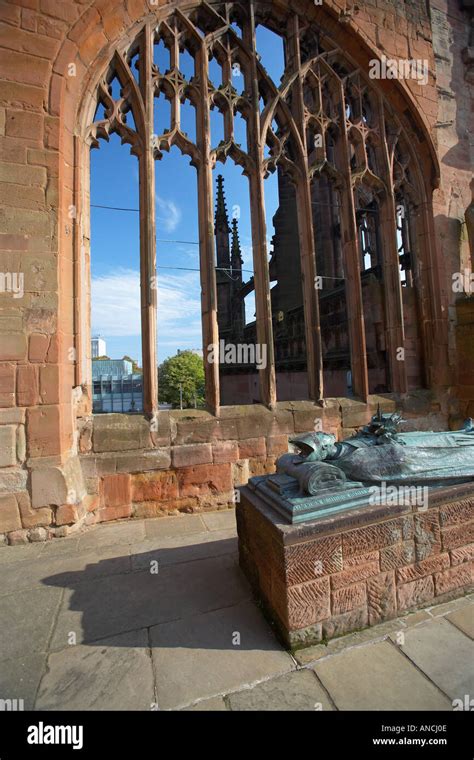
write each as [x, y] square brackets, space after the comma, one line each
[186, 370]
[100, 358]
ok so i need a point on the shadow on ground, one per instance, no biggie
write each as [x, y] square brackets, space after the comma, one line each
[163, 588]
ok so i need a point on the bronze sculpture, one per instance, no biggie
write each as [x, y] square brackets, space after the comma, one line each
[327, 476]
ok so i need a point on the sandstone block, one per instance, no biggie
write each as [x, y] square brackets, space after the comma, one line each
[154, 486]
[18, 537]
[424, 567]
[115, 491]
[348, 598]
[48, 487]
[225, 451]
[427, 534]
[252, 447]
[66, 514]
[201, 479]
[381, 598]
[119, 432]
[277, 445]
[398, 555]
[455, 577]
[114, 513]
[458, 535]
[7, 384]
[416, 593]
[7, 445]
[372, 537]
[9, 514]
[462, 554]
[459, 512]
[27, 393]
[193, 454]
[43, 431]
[32, 518]
[310, 560]
[354, 574]
[38, 534]
[308, 603]
[13, 347]
[353, 620]
[261, 466]
[361, 559]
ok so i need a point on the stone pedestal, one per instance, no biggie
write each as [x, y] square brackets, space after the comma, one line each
[357, 568]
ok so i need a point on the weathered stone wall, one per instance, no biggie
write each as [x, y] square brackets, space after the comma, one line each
[41, 398]
[327, 578]
[465, 356]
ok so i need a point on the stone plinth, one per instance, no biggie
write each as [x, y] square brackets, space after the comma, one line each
[320, 579]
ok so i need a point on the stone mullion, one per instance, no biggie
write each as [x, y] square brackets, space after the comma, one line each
[210, 328]
[267, 377]
[392, 286]
[227, 80]
[306, 233]
[148, 288]
[174, 68]
[351, 257]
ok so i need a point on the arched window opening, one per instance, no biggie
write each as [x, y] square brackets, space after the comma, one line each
[117, 382]
[316, 185]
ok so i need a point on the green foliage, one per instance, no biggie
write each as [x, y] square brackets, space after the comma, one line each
[186, 369]
[99, 358]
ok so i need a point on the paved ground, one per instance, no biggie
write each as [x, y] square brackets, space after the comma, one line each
[156, 615]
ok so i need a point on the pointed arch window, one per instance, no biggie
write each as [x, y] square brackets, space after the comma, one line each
[324, 123]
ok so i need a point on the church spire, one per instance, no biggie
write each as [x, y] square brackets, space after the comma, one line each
[221, 219]
[236, 258]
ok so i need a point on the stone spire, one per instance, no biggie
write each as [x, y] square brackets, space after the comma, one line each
[221, 221]
[235, 254]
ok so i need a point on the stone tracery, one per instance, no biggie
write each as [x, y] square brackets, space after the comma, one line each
[332, 135]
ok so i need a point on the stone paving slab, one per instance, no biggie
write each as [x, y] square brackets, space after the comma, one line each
[20, 678]
[18, 576]
[197, 657]
[112, 535]
[165, 527]
[26, 621]
[299, 690]
[223, 520]
[97, 607]
[114, 674]
[208, 705]
[185, 549]
[378, 677]
[444, 654]
[463, 619]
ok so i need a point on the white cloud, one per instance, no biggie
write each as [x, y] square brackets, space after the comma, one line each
[170, 214]
[116, 306]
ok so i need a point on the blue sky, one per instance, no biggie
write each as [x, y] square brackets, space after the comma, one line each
[115, 234]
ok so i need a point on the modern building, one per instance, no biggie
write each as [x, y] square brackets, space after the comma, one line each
[115, 387]
[98, 347]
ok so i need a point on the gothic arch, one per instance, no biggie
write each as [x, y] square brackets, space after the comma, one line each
[203, 27]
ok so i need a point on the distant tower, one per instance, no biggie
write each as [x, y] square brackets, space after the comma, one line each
[238, 305]
[98, 346]
[223, 273]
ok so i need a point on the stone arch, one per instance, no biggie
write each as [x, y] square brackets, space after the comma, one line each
[71, 97]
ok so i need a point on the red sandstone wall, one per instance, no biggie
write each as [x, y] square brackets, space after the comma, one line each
[39, 102]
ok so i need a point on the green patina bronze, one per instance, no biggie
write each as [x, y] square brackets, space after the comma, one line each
[326, 476]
